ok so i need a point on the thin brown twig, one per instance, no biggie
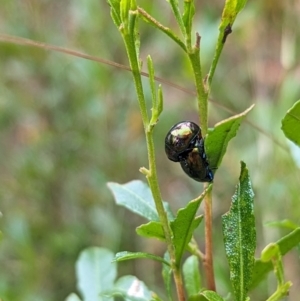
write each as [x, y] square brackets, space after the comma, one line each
[45, 46]
[208, 263]
[28, 42]
[179, 286]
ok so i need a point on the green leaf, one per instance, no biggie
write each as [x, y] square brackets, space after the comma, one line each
[289, 241]
[230, 11]
[291, 123]
[271, 251]
[124, 11]
[167, 276]
[240, 236]
[260, 271]
[188, 14]
[211, 296]
[151, 229]
[285, 223]
[187, 17]
[115, 11]
[136, 196]
[131, 288]
[122, 256]
[72, 297]
[185, 223]
[218, 138]
[191, 274]
[95, 273]
[160, 101]
[152, 80]
[157, 97]
[286, 243]
[177, 15]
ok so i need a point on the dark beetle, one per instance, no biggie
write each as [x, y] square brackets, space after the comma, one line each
[184, 144]
[181, 138]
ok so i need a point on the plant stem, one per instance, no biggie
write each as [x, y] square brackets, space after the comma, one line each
[208, 263]
[281, 291]
[220, 45]
[151, 173]
[179, 284]
[202, 95]
[153, 183]
[158, 25]
[194, 249]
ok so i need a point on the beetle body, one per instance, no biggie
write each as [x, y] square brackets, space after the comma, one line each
[181, 138]
[184, 144]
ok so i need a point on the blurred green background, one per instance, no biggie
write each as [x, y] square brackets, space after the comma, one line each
[68, 126]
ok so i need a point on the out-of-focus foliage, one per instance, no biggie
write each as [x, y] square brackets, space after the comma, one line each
[291, 123]
[68, 126]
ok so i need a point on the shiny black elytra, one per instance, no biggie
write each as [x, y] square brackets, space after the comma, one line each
[184, 144]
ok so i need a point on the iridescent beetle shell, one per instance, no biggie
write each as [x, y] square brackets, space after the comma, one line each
[184, 144]
[180, 138]
[195, 164]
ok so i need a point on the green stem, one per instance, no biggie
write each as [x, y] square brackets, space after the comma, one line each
[220, 45]
[194, 250]
[151, 173]
[134, 65]
[202, 95]
[158, 25]
[214, 64]
[281, 292]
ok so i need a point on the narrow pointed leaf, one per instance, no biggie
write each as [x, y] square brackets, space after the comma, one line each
[115, 11]
[188, 15]
[124, 11]
[122, 256]
[230, 11]
[289, 241]
[136, 196]
[218, 138]
[95, 273]
[151, 229]
[285, 223]
[191, 274]
[152, 81]
[291, 123]
[240, 236]
[183, 229]
[286, 243]
[211, 296]
[177, 15]
[160, 101]
[185, 223]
